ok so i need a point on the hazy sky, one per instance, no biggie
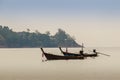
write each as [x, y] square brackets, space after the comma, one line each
[93, 22]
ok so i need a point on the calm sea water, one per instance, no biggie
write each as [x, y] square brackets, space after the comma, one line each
[26, 64]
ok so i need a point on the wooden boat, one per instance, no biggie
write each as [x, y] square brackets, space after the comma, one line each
[58, 57]
[68, 53]
[81, 53]
[95, 54]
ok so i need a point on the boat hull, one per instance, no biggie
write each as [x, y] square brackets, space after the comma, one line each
[90, 55]
[58, 57]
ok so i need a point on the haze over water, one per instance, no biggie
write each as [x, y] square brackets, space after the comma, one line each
[26, 64]
[93, 22]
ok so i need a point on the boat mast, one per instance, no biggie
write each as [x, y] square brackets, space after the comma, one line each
[82, 46]
[66, 49]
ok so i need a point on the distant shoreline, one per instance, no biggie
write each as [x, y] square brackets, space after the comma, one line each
[42, 46]
[27, 39]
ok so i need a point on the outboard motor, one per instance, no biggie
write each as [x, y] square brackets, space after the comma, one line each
[94, 50]
[81, 52]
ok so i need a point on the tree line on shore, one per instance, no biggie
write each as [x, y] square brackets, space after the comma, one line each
[12, 39]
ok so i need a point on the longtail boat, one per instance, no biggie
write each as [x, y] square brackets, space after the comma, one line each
[68, 53]
[59, 57]
[95, 54]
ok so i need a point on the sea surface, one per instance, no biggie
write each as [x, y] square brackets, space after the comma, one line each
[26, 64]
